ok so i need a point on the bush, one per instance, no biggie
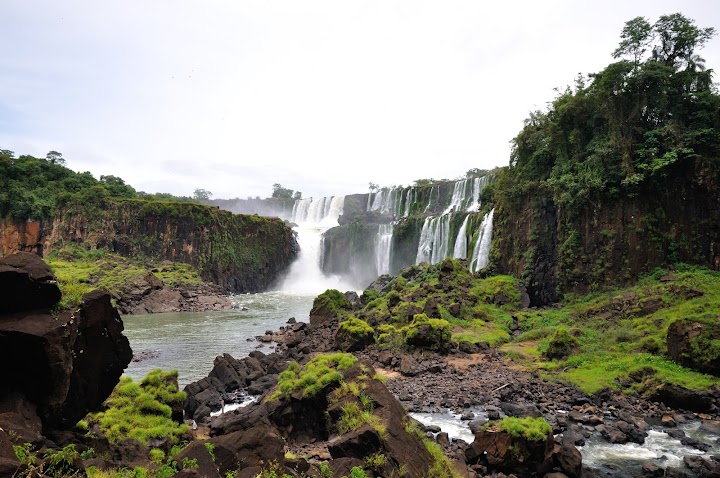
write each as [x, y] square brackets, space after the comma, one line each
[533, 429]
[142, 411]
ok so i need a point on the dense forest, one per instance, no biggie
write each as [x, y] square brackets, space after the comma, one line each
[630, 153]
[652, 114]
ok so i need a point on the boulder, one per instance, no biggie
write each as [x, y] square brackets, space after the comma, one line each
[500, 451]
[677, 396]
[569, 459]
[26, 283]
[197, 450]
[520, 409]
[68, 363]
[691, 343]
[9, 464]
[254, 447]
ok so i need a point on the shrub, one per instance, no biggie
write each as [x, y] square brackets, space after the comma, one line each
[142, 411]
[534, 429]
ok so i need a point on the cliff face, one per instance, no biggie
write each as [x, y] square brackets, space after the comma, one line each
[611, 242]
[240, 253]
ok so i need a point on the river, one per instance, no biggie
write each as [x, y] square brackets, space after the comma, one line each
[189, 342]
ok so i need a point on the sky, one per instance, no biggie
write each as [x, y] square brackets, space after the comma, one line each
[322, 97]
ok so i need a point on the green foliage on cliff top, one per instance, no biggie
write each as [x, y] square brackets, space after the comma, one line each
[627, 127]
[80, 271]
[142, 411]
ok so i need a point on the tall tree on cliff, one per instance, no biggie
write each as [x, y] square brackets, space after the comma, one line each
[641, 118]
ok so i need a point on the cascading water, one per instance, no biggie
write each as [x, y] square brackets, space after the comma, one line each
[481, 253]
[313, 217]
[408, 201]
[383, 248]
[434, 238]
[461, 243]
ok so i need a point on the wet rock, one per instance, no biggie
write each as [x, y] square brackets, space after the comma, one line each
[702, 466]
[697, 444]
[570, 460]
[477, 424]
[499, 451]
[651, 470]
[711, 426]
[520, 409]
[443, 439]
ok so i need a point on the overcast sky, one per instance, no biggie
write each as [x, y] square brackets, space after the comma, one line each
[322, 97]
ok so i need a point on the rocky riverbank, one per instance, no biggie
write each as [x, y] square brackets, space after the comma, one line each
[150, 295]
[479, 383]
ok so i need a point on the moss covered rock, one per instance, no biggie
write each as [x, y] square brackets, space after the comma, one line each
[695, 344]
[354, 334]
[561, 345]
[430, 333]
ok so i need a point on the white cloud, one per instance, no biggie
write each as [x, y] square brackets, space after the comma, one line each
[322, 97]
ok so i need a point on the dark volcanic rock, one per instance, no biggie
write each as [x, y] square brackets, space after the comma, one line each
[70, 362]
[249, 448]
[9, 463]
[26, 283]
[498, 450]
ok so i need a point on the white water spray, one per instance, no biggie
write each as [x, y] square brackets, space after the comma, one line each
[313, 217]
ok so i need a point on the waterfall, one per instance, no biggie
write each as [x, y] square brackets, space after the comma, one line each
[460, 250]
[313, 217]
[466, 194]
[434, 238]
[383, 248]
[408, 201]
[428, 208]
[480, 256]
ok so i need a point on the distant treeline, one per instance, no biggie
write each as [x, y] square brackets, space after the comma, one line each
[33, 188]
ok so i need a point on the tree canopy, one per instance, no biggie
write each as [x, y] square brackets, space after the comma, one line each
[653, 112]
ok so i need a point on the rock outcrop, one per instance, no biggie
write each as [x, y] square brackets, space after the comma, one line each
[351, 426]
[692, 343]
[63, 363]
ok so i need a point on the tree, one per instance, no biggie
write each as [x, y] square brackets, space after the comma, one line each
[298, 195]
[117, 187]
[281, 192]
[202, 195]
[373, 187]
[637, 35]
[53, 157]
[679, 38]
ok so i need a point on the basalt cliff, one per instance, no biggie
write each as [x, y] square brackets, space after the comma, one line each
[240, 253]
